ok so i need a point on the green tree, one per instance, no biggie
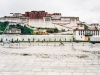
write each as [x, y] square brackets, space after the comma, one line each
[96, 28]
[59, 39]
[17, 39]
[85, 27]
[12, 40]
[28, 40]
[55, 40]
[44, 39]
[55, 30]
[37, 33]
[50, 30]
[63, 30]
[70, 40]
[73, 39]
[33, 39]
[3, 25]
[22, 40]
[24, 30]
[65, 39]
[1, 40]
[38, 40]
[49, 40]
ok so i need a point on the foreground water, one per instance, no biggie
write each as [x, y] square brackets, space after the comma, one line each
[49, 59]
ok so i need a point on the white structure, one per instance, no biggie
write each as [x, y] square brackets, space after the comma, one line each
[94, 26]
[67, 23]
[56, 20]
[14, 19]
[80, 26]
[37, 37]
[16, 14]
[82, 34]
[56, 16]
[13, 31]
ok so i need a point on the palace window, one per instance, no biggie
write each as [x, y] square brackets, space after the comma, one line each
[94, 33]
[98, 32]
[47, 18]
[83, 32]
[73, 19]
[79, 32]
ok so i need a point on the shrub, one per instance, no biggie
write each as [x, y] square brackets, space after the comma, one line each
[55, 30]
[26, 54]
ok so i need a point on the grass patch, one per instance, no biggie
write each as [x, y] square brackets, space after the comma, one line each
[25, 54]
[82, 56]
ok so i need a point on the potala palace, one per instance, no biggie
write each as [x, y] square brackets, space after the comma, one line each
[41, 19]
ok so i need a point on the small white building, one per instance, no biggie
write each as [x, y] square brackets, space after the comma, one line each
[14, 19]
[85, 35]
[13, 23]
[13, 31]
[80, 25]
[94, 26]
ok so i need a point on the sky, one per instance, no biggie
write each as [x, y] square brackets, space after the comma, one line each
[87, 10]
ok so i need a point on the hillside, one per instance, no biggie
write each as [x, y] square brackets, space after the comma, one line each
[3, 26]
[24, 30]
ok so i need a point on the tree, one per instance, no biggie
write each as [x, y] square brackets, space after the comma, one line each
[55, 40]
[63, 30]
[28, 40]
[65, 39]
[49, 40]
[55, 30]
[70, 40]
[23, 40]
[38, 40]
[3, 25]
[12, 40]
[73, 39]
[96, 28]
[17, 39]
[33, 39]
[59, 39]
[37, 33]
[50, 30]
[24, 29]
[85, 27]
[1, 40]
[44, 39]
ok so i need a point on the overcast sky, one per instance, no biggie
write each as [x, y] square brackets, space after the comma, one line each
[87, 10]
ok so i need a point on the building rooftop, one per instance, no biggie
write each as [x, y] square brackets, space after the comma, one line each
[85, 30]
[69, 17]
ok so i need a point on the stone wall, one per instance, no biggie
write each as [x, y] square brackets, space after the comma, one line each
[37, 37]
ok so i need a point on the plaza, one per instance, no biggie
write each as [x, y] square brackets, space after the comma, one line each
[39, 58]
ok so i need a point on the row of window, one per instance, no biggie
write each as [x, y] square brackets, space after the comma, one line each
[90, 32]
[12, 31]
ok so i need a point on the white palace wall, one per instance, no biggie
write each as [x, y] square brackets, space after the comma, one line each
[52, 24]
[36, 37]
[41, 23]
